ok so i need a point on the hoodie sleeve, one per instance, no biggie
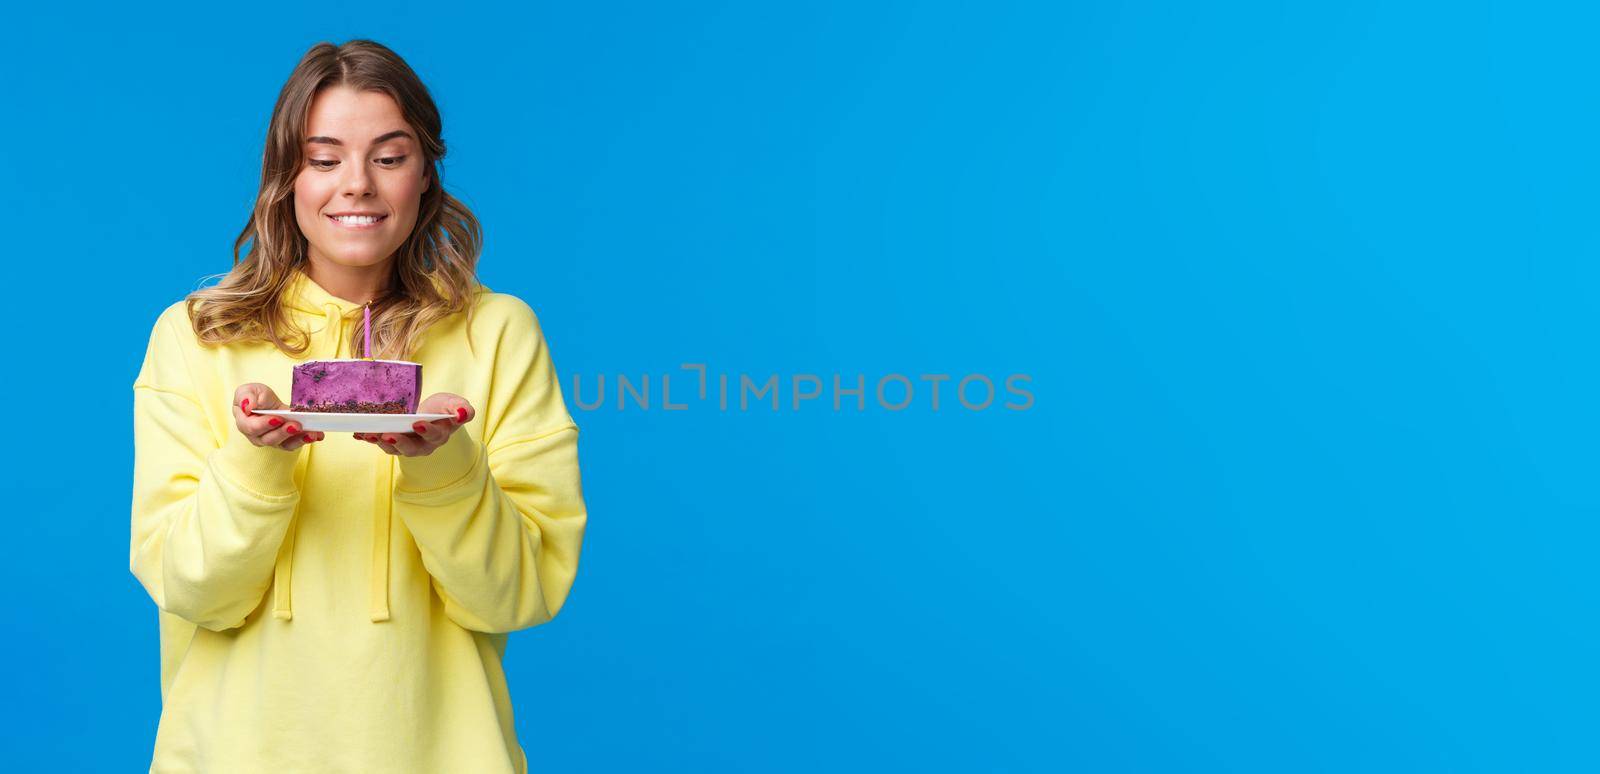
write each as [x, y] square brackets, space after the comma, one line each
[208, 518]
[500, 523]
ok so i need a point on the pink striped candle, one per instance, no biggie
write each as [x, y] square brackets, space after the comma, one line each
[366, 323]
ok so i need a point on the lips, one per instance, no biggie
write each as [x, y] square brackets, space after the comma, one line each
[358, 223]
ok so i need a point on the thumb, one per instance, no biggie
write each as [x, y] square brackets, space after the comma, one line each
[259, 396]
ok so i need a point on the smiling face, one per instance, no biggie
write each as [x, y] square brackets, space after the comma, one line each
[356, 198]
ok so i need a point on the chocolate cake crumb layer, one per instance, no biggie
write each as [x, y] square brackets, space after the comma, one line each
[356, 407]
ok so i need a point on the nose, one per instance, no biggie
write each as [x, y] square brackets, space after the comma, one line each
[357, 181]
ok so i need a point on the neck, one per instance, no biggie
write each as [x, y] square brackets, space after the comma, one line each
[356, 284]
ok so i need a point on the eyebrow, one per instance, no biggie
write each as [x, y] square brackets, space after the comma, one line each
[380, 138]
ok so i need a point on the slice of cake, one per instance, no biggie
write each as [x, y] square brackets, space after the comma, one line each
[357, 386]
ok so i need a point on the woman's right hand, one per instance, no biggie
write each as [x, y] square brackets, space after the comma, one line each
[266, 429]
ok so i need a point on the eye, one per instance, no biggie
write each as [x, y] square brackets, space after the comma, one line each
[395, 159]
[321, 163]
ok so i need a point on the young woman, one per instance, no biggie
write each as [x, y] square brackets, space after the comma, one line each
[340, 603]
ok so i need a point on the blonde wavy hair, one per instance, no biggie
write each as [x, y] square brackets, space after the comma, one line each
[435, 268]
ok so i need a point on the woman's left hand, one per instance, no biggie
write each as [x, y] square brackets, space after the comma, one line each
[429, 435]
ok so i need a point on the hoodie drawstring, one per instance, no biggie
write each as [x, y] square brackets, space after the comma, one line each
[383, 477]
[378, 596]
[284, 569]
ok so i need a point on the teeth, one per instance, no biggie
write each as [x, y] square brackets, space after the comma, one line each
[356, 220]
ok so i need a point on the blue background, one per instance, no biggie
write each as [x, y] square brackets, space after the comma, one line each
[1306, 297]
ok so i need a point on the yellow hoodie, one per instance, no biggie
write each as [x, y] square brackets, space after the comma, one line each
[336, 608]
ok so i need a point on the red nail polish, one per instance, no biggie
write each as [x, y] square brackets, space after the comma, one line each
[245, 405]
[308, 438]
[461, 414]
[274, 421]
[420, 428]
[293, 429]
[388, 439]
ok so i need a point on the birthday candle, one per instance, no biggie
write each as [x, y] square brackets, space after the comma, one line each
[366, 324]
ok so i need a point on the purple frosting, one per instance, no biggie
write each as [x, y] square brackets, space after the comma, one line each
[357, 386]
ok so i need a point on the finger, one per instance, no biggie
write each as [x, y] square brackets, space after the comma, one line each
[244, 403]
[254, 395]
[407, 444]
[247, 399]
[262, 426]
[302, 439]
[435, 432]
[404, 443]
[459, 410]
[381, 440]
[276, 435]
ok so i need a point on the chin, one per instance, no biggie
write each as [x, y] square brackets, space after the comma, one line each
[358, 261]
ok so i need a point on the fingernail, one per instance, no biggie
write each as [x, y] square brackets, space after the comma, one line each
[245, 404]
[308, 438]
[293, 429]
[274, 421]
[388, 439]
[419, 427]
[461, 414]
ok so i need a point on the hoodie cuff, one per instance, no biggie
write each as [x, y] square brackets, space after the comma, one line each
[447, 465]
[264, 470]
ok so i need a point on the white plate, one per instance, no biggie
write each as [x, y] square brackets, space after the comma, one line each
[349, 422]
